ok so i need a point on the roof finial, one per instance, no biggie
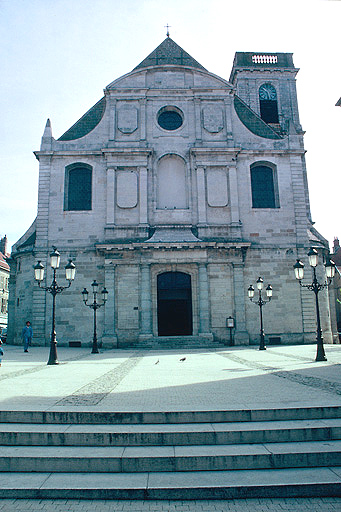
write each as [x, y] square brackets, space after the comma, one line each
[167, 27]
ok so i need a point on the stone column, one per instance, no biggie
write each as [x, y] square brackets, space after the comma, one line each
[109, 336]
[204, 317]
[146, 302]
[241, 335]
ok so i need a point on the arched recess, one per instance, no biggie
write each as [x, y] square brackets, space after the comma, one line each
[264, 185]
[174, 304]
[171, 183]
[268, 103]
[78, 187]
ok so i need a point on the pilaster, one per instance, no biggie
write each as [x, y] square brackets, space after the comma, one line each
[146, 302]
[109, 338]
[241, 336]
[111, 195]
[204, 318]
[143, 195]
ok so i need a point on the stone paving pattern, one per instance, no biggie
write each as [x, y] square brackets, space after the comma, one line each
[248, 505]
[234, 377]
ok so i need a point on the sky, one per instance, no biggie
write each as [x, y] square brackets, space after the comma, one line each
[57, 56]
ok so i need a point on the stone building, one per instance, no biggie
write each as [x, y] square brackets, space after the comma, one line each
[176, 190]
[4, 278]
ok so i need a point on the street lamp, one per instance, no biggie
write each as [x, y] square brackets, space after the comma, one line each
[54, 289]
[260, 302]
[315, 286]
[95, 305]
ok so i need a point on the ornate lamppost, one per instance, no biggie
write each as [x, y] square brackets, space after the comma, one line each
[95, 305]
[260, 302]
[316, 287]
[54, 289]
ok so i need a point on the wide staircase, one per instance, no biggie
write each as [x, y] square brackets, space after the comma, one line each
[178, 342]
[171, 455]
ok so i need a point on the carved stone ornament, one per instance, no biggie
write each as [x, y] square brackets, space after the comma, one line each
[127, 119]
[213, 118]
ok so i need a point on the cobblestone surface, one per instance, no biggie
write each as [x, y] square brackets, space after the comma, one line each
[247, 505]
[99, 388]
[305, 380]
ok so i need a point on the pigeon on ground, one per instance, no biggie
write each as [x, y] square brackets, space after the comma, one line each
[183, 359]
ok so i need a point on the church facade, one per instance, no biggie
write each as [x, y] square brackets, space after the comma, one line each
[176, 191]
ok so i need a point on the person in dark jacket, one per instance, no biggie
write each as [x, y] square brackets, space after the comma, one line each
[27, 335]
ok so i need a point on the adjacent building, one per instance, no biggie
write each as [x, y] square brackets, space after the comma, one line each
[176, 191]
[4, 279]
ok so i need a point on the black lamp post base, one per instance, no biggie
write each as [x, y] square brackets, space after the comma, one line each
[262, 348]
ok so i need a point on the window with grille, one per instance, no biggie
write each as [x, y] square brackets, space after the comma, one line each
[264, 186]
[78, 187]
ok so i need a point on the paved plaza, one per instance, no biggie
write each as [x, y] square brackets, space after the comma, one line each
[172, 380]
[250, 505]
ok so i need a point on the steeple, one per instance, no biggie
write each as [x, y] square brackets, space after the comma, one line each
[46, 140]
[168, 52]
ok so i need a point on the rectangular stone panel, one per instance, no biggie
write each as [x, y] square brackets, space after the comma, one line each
[127, 189]
[216, 183]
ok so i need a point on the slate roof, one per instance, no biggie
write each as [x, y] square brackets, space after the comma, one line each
[168, 52]
[87, 122]
[252, 121]
[3, 263]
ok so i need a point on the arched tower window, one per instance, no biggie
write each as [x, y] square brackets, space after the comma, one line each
[171, 183]
[268, 103]
[264, 186]
[78, 187]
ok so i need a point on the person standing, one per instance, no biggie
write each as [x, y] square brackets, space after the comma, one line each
[1, 352]
[27, 335]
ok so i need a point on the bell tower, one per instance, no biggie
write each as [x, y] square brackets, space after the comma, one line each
[266, 83]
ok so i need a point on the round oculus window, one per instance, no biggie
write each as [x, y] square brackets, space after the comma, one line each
[170, 118]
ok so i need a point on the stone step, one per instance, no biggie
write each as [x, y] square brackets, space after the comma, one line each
[302, 482]
[172, 417]
[168, 435]
[178, 342]
[117, 459]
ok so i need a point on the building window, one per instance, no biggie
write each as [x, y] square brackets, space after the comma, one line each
[78, 187]
[268, 103]
[264, 186]
[170, 118]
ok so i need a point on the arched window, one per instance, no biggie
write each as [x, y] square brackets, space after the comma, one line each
[78, 187]
[268, 103]
[171, 183]
[264, 186]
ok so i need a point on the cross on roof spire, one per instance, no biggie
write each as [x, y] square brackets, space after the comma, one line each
[167, 27]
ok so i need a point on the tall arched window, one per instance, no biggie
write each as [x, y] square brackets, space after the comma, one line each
[171, 183]
[78, 187]
[264, 186]
[268, 103]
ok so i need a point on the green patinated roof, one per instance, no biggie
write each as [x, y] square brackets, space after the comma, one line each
[252, 121]
[168, 52]
[86, 123]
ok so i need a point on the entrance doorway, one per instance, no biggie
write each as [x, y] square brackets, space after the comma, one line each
[174, 304]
